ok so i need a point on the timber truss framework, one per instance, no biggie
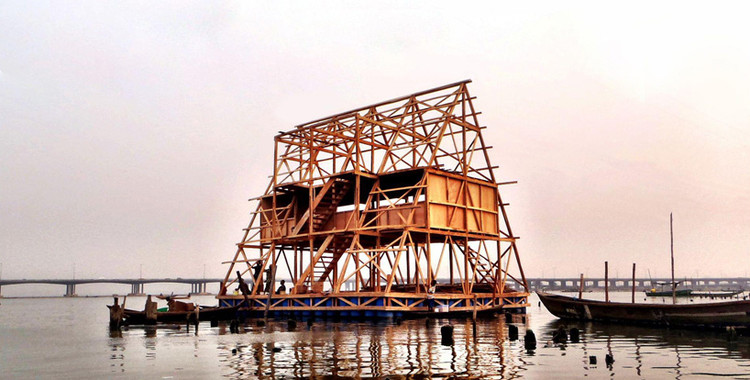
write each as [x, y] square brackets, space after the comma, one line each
[383, 201]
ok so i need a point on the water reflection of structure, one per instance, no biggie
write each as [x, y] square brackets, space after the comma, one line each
[411, 348]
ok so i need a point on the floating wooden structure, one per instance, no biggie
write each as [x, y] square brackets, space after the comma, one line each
[389, 209]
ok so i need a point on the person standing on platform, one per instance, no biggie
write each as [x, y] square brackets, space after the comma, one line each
[282, 288]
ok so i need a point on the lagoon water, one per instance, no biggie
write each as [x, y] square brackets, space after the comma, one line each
[69, 338]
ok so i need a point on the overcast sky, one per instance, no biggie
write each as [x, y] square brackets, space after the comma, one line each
[134, 132]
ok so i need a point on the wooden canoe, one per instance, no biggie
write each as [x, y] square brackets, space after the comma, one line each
[668, 293]
[206, 313]
[712, 315]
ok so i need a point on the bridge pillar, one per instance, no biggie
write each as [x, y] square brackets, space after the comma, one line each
[70, 290]
[198, 288]
[136, 289]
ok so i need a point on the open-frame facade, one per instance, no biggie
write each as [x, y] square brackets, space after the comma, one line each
[389, 209]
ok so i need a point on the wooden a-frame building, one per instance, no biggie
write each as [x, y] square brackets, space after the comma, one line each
[367, 209]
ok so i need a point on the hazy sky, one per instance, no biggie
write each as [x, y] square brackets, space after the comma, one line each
[134, 132]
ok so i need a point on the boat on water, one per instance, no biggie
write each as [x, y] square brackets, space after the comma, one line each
[668, 293]
[707, 315]
[203, 313]
[177, 312]
[717, 293]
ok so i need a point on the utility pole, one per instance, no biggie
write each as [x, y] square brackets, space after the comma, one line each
[606, 281]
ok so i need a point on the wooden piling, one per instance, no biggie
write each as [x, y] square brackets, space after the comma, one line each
[606, 281]
[150, 311]
[575, 335]
[116, 313]
[632, 292]
[529, 340]
[580, 288]
[671, 251]
[512, 333]
[446, 335]
[474, 313]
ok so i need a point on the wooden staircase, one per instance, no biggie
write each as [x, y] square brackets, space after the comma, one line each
[483, 268]
[330, 201]
[327, 263]
[324, 205]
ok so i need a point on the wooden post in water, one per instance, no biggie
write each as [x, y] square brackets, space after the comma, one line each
[632, 294]
[606, 281]
[474, 316]
[271, 284]
[671, 251]
[580, 288]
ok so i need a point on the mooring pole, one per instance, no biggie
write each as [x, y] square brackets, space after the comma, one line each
[632, 294]
[606, 281]
[271, 285]
[580, 288]
[671, 250]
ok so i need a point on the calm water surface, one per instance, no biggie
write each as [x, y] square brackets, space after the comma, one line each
[69, 338]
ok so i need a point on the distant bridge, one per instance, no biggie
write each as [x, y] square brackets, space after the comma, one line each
[622, 284]
[197, 285]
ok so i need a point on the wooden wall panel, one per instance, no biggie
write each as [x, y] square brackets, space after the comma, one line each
[454, 191]
[489, 198]
[490, 223]
[339, 221]
[474, 198]
[456, 218]
[473, 218]
[436, 188]
[438, 216]
[448, 198]
[399, 216]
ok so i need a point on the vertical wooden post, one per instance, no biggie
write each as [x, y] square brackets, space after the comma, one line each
[357, 201]
[606, 281]
[428, 252]
[271, 284]
[580, 288]
[671, 251]
[474, 313]
[466, 265]
[375, 278]
[294, 278]
[450, 261]
[311, 243]
[408, 260]
[276, 225]
[632, 293]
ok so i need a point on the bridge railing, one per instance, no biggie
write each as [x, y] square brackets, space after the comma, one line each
[198, 285]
